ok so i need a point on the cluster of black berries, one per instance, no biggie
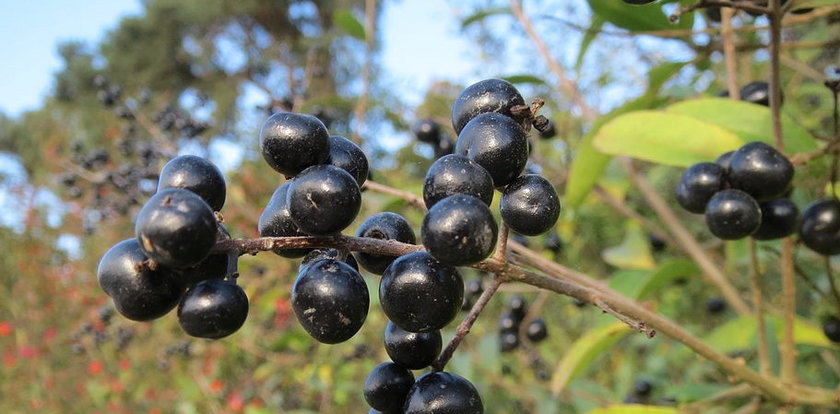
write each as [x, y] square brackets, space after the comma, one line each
[428, 131]
[742, 194]
[510, 325]
[169, 262]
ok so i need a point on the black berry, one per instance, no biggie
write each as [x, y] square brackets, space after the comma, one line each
[387, 385]
[292, 142]
[196, 174]
[732, 214]
[530, 205]
[348, 156]
[820, 230]
[537, 330]
[456, 174]
[778, 219]
[412, 350]
[489, 95]
[831, 329]
[698, 184]
[383, 226]
[426, 130]
[213, 309]
[443, 393]
[324, 200]
[459, 230]
[497, 143]
[276, 221]
[760, 170]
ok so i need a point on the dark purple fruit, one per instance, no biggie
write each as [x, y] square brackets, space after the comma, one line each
[324, 200]
[530, 205]
[293, 142]
[196, 174]
[139, 293]
[698, 184]
[213, 266]
[550, 131]
[456, 174]
[330, 300]
[778, 219]
[383, 226]
[443, 393]
[508, 341]
[213, 309]
[497, 143]
[426, 130]
[387, 385]
[420, 294]
[831, 329]
[642, 388]
[537, 330]
[444, 147]
[732, 214]
[518, 307]
[715, 305]
[756, 92]
[317, 254]
[459, 230]
[489, 95]
[639, 2]
[276, 221]
[176, 228]
[509, 322]
[724, 159]
[411, 349]
[760, 170]
[820, 230]
[348, 156]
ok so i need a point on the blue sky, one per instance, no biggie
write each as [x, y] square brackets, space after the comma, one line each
[419, 38]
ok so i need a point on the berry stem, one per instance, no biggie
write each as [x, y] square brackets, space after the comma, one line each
[758, 304]
[501, 242]
[465, 325]
[409, 197]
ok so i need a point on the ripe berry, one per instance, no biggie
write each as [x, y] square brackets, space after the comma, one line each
[724, 159]
[756, 92]
[537, 330]
[444, 147]
[518, 307]
[456, 174]
[443, 393]
[324, 200]
[176, 228]
[317, 254]
[831, 329]
[459, 230]
[330, 300]
[213, 266]
[412, 350]
[642, 388]
[196, 174]
[427, 130]
[139, 293]
[387, 385]
[779, 218]
[732, 214]
[698, 184]
[549, 132]
[420, 294]
[530, 205]
[213, 309]
[497, 143]
[276, 221]
[820, 230]
[760, 170]
[715, 305]
[508, 341]
[348, 156]
[292, 142]
[509, 322]
[489, 95]
[383, 226]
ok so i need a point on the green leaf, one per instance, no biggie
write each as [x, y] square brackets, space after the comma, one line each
[524, 78]
[633, 409]
[482, 14]
[664, 138]
[633, 252]
[749, 121]
[590, 35]
[739, 334]
[584, 351]
[801, 4]
[649, 17]
[665, 275]
[349, 24]
[695, 391]
[658, 75]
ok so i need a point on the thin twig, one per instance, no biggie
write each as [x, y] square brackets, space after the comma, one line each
[729, 53]
[405, 195]
[758, 304]
[788, 344]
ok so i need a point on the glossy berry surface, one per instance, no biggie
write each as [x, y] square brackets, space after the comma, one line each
[459, 230]
[698, 184]
[176, 228]
[348, 156]
[139, 293]
[324, 200]
[509, 322]
[820, 230]
[214, 266]
[760, 170]
[497, 143]
[489, 95]
[537, 330]
[508, 341]
[732, 214]
[383, 226]
[330, 300]
[456, 174]
[831, 329]
[213, 309]
[276, 221]
[757, 92]
[518, 307]
[318, 254]
[724, 159]
[387, 385]
[779, 218]
[196, 174]
[639, 2]
[530, 205]
[292, 142]
[443, 393]
[413, 350]
[420, 294]
[426, 130]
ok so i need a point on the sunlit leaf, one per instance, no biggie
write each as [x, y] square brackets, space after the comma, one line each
[584, 351]
[524, 78]
[349, 24]
[649, 17]
[482, 14]
[633, 252]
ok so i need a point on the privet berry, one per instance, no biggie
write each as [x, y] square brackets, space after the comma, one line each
[537, 330]
[276, 221]
[292, 142]
[459, 230]
[456, 174]
[778, 219]
[213, 309]
[176, 228]
[831, 329]
[420, 294]
[383, 226]
[698, 184]
[196, 174]
[413, 350]
[443, 393]
[732, 214]
[426, 130]
[497, 143]
[489, 95]
[820, 230]
[324, 200]
[760, 170]
[530, 205]
[330, 300]
[386, 387]
[348, 156]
